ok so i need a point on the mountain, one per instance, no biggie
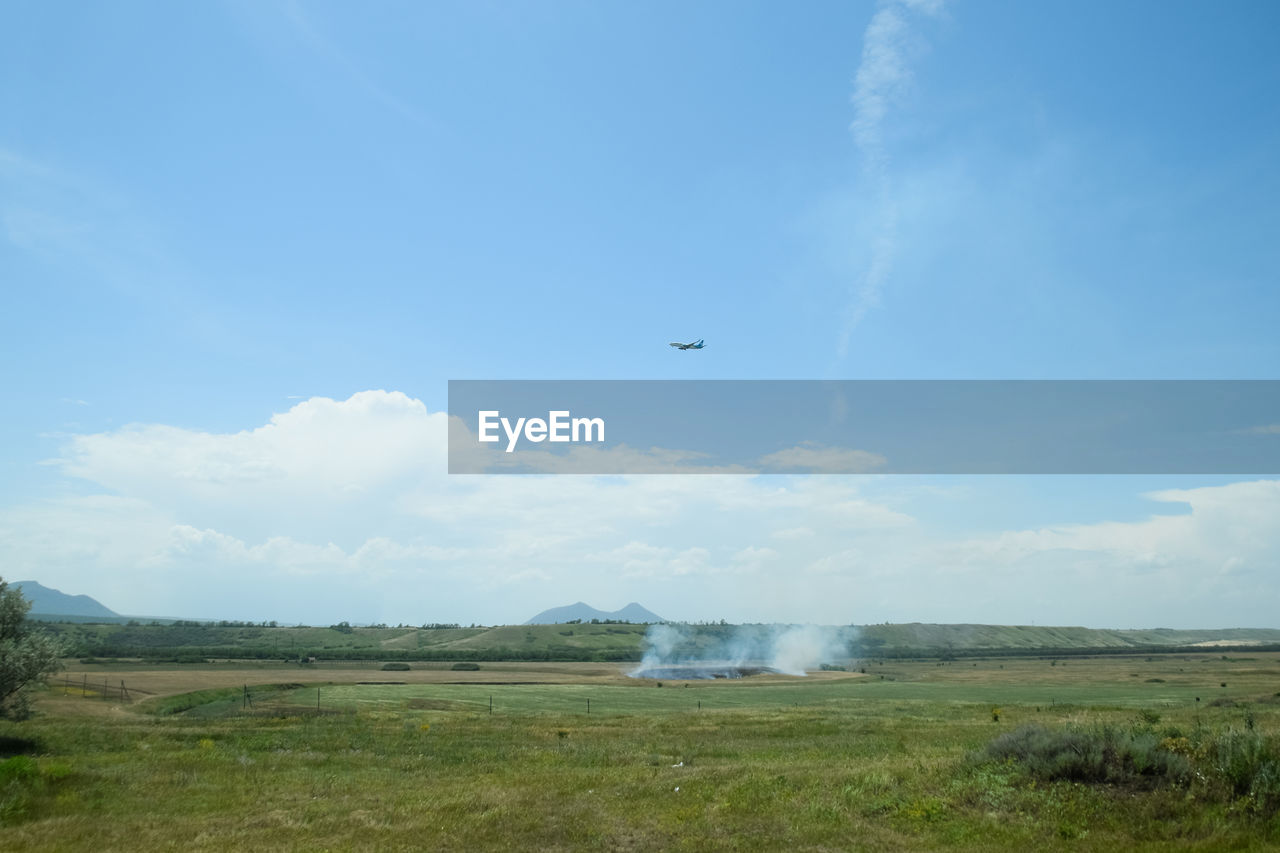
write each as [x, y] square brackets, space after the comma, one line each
[631, 613]
[52, 602]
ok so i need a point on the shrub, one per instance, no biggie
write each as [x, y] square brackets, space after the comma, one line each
[1099, 755]
[395, 667]
[1242, 765]
[1249, 764]
[465, 667]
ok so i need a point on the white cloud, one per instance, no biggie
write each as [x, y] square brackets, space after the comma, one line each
[330, 492]
[324, 467]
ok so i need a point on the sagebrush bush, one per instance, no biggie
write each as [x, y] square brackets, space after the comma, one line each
[1236, 764]
[1102, 754]
[1248, 763]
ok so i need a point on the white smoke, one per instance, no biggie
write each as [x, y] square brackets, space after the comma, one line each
[789, 649]
[662, 641]
[802, 648]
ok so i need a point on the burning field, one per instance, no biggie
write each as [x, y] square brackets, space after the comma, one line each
[701, 671]
[701, 653]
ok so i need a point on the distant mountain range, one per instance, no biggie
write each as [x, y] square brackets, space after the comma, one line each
[631, 613]
[52, 602]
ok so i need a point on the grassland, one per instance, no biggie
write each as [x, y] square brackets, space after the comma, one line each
[892, 758]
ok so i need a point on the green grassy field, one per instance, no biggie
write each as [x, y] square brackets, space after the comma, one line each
[891, 759]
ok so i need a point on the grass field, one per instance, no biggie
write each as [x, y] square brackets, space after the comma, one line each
[893, 758]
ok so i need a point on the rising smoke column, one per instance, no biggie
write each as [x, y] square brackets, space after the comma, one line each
[789, 649]
[660, 644]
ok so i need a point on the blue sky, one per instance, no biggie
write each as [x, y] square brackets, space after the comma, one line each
[216, 215]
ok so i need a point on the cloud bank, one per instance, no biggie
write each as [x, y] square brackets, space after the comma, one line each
[341, 509]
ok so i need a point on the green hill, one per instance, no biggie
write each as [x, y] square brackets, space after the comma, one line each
[598, 642]
[920, 636]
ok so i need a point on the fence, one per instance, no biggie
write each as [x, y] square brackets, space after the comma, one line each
[104, 690]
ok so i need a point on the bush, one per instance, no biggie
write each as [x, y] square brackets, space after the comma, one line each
[1240, 765]
[465, 667]
[395, 667]
[1249, 764]
[1100, 755]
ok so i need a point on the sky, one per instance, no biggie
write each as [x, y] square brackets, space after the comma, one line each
[245, 245]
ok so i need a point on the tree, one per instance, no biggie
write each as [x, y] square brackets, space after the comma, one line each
[26, 656]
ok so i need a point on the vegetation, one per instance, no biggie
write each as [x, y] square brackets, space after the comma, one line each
[1092, 755]
[1102, 754]
[602, 641]
[194, 642]
[27, 655]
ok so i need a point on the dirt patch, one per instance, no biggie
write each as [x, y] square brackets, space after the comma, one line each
[1216, 643]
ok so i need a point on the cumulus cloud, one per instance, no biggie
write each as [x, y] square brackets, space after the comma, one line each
[335, 494]
[323, 465]
[341, 446]
[1236, 524]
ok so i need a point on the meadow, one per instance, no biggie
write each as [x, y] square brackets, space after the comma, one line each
[901, 756]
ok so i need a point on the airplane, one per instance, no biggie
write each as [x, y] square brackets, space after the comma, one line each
[698, 344]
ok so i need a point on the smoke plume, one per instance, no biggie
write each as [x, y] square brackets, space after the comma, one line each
[730, 651]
